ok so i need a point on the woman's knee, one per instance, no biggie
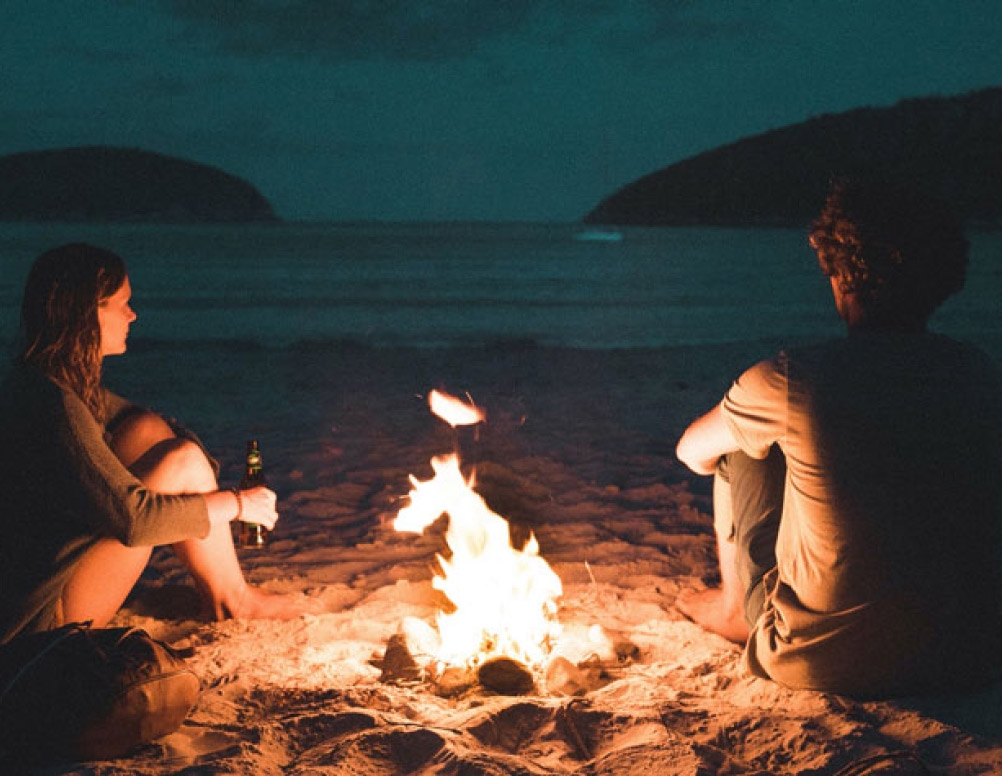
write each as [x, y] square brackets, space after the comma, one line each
[176, 466]
[137, 433]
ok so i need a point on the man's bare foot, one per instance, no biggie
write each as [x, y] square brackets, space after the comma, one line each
[256, 604]
[715, 612]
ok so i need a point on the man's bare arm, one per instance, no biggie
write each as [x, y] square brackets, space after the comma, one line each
[705, 441]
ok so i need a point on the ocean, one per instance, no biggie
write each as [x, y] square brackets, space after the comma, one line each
[448, 285]
[239, 319]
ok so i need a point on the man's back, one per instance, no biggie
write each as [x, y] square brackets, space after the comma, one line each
[889, 546]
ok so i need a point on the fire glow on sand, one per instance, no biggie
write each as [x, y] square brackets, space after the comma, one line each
[505, 599]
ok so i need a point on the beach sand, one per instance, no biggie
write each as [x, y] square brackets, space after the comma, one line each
[578, 447]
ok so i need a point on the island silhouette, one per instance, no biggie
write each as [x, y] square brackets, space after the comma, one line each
[108, 184]
[949, 146]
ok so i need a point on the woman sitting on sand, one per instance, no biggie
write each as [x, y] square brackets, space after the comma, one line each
[91, 482]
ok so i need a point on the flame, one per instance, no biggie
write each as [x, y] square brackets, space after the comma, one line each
[505, 599]
[455, 411]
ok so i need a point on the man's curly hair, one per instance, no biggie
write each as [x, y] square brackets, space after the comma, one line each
[900, 252]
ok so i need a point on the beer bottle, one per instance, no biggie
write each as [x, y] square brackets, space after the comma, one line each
[252, 534]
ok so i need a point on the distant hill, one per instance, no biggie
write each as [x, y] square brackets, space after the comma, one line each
[122, 184]
[947, 145]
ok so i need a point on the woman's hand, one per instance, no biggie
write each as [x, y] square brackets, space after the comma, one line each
[259, 506]
[254, 505]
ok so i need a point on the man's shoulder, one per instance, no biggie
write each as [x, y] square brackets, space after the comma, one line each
[880, 345]
[814, 349]
[891, 363]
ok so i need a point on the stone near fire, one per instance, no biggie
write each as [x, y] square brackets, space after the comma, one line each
[398, 663]
[454, 681]
[626, 650]
[413, 645]
[506, 676]
[423, 641]
[565, 678]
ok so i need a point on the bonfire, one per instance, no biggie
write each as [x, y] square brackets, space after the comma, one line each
[502, 621]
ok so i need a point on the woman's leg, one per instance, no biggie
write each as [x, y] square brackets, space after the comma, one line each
[102, 581]
[166, 464]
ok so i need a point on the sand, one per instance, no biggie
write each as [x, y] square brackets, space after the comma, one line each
[578, 448]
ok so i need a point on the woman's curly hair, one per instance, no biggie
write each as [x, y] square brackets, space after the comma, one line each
[60, 331]
[900, 252]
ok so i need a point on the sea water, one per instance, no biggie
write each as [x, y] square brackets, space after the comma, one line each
[217, 303]
[442, 285]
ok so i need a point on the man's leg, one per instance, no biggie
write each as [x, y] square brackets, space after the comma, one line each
[757, 490]
[747, 505]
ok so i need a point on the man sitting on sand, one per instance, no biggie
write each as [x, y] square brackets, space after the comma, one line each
[858, 482]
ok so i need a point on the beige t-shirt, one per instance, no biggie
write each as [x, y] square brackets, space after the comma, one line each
[889, 547]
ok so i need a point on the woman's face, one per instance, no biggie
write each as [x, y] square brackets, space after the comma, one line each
[114, 316]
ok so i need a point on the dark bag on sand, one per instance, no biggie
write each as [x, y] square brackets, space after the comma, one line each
[89, 694]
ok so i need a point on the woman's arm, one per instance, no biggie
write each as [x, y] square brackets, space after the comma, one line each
[149, 448]
[116, 408]
[117, 501]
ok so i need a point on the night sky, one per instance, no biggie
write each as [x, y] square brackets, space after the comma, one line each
[502, 110]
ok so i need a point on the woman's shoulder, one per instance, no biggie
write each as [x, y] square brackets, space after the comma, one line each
[22, 379]
[28, 391]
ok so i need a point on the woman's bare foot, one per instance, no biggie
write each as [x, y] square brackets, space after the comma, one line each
[256, 604]
[716, 612]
